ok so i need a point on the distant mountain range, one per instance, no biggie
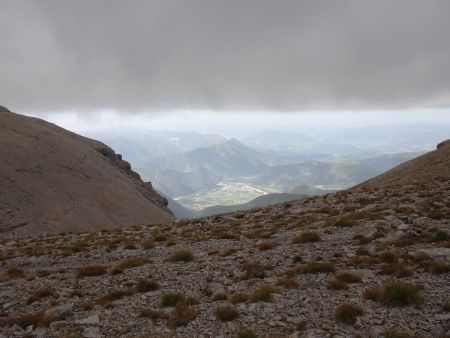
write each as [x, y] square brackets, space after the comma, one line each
[205, 170]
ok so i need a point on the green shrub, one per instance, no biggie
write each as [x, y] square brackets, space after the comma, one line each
[172, 299]
[400, 294]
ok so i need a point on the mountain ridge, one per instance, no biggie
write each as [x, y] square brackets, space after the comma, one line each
[54, 180]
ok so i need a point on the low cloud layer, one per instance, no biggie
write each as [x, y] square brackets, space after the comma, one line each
[224, 55]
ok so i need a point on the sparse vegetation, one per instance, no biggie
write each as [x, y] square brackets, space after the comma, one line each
[395, 334]
[306, 237]
[288, 283]
[90, 271]
[348, 277]
[318, 267]
[15, 272]
[239, 297]
[115, 295]
[172, 299]
[247, 334]
[347, 313]
[183, 315]
[373, 294]
[34, 319]
[146, 285]
[182, 256]
[148, 244]
[226, 313]
[268, 245]
[133, 262]
[263, 293]
[441, 236]
[336, 284]
[400, 294]
[153, 314]
[253, 270]
[40, 293]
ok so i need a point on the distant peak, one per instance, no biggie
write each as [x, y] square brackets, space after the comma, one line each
[233, 141]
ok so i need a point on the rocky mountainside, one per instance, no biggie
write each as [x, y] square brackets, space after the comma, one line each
[373, 261]
[53, 180]
[423, 171]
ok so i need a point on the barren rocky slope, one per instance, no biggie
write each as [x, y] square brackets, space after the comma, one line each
[368, 262]
[53, 180]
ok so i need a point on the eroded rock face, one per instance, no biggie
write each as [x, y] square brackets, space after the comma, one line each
[53, 180]
[4, 109]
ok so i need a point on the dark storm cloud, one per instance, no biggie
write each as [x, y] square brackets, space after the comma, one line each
[228, 54]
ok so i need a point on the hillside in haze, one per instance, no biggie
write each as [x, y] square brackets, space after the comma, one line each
[56, 181]
[203, 170]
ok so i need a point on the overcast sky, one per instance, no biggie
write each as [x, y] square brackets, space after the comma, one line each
[234, 55]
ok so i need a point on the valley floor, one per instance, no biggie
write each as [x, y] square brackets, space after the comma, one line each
[280, 271]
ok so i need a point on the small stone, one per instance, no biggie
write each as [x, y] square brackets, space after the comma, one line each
[91, 332]
[92, 320]
[59, 324]
[3, 321]
[402, 227]
[61, 311]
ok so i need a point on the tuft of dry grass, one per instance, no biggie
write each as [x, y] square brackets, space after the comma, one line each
[373, 294]
[288, 283]
[347, 313]
[181, 256]
[226, 313]
[148, 244]
[146, 285]
[317, 267]
[306, 237]
[435, 267]
[336, 284]
[239, 297]
[132, 262]
[348, 277]
[396, 269]
[263, 293]
[267, 245]
[183, 315]
[253, 270]
[153, 314]
[115, 295]
[39, 294]
[90, 271]
[15, 272]
[34, 319]
[392, 333]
